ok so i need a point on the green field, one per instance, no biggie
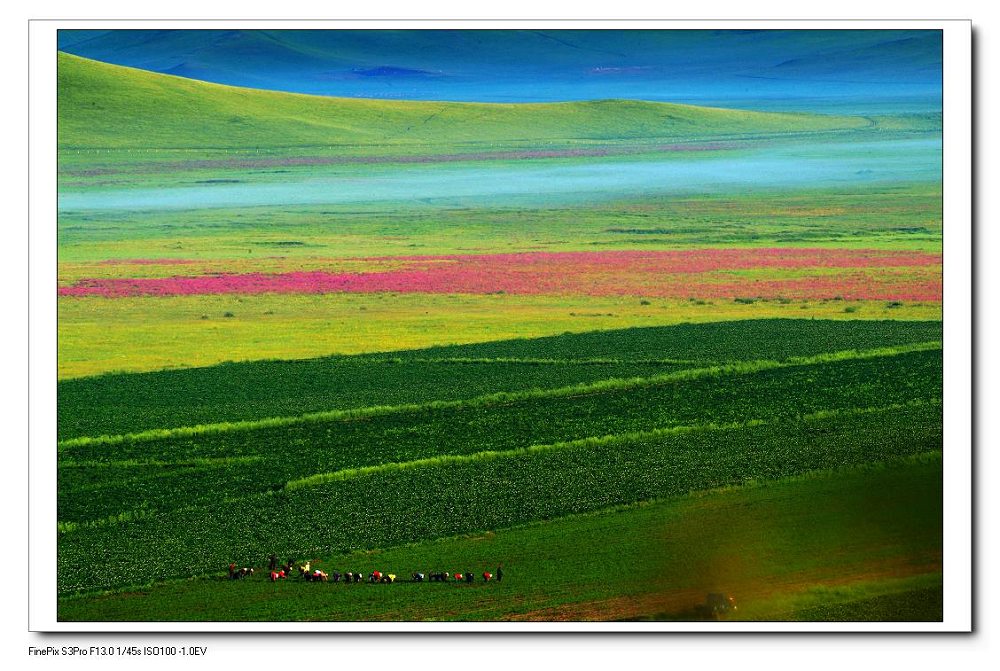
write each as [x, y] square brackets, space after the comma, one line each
[689, 426]
[783, 560]
[99, 336]
[769, 428]
[123, 403]
[896, 217]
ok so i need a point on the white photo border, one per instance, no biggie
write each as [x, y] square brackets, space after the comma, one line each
[957, 328]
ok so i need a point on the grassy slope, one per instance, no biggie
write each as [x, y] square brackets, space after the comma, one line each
[779, 549]
[108, 106]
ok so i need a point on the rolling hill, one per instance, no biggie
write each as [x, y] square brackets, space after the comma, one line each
[109, 106]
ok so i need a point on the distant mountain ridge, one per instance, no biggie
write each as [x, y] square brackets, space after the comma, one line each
[536, 65]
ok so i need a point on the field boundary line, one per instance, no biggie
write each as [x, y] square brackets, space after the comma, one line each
[193, 462]
[498, 398]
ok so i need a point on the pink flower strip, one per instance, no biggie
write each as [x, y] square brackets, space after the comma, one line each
[680, 274]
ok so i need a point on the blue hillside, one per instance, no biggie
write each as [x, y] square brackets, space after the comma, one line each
[812, 70]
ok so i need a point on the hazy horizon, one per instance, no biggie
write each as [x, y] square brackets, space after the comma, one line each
[860, 72]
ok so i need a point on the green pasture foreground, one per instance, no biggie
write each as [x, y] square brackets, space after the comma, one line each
[435, 492]
[849, 545]
[471, 438]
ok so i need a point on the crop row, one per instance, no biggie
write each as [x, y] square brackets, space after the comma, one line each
[389, 507]
[176, 470]
[128, 403]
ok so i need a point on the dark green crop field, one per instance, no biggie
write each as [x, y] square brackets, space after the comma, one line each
[772, 545]
[405, 503]
[128, 403]
[186, 499]
[99, 478]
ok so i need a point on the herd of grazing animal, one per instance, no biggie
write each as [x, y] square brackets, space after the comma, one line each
[307, 572]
